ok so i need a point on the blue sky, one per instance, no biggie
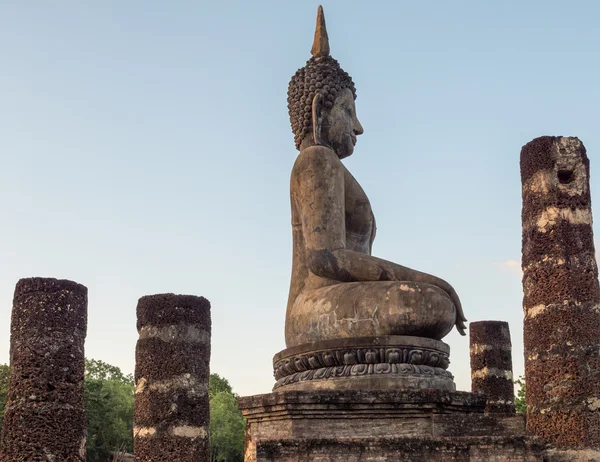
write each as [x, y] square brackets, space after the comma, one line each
[145, 148]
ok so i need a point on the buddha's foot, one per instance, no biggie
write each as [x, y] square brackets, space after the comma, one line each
[375, 363]
[366, 309]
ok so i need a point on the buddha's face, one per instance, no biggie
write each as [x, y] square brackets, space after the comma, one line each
[340, 125]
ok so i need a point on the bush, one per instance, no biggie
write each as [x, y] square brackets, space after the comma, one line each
[520, 403]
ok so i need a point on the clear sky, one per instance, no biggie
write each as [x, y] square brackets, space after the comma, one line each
[145, 147]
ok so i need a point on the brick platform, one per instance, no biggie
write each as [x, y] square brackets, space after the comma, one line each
[381, 425]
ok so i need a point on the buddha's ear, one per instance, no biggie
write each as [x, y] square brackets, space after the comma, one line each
[317, 118]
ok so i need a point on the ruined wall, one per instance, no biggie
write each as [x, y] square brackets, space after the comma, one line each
[464, 449]
[491, 364]
[44, 416]
[171, 412]
[561, 294]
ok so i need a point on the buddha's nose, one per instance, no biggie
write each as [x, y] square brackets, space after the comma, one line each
[358, 128]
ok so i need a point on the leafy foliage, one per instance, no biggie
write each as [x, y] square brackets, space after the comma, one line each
[109, 408]
[218, 384]
[226, 422]
[520, 403]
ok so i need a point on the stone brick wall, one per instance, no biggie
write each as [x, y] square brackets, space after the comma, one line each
[478, 449]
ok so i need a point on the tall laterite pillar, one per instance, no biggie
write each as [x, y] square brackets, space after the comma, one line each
[561, 295]
[171, 412]
[491, 365]
[44, 416]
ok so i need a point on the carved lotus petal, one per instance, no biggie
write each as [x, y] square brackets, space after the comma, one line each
[300, 364]
[371, 356]
[415, 357]
[350, 358]
[313, 361]
[394, 356]
[328, 359]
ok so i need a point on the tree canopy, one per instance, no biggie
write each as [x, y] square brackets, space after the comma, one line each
[226, 422]
[109, 409]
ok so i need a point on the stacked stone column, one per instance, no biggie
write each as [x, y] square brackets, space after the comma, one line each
[491, 365]
[171, 413]
[44, 417]
[561, 295]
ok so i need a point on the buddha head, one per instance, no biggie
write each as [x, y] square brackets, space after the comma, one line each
[321, 100]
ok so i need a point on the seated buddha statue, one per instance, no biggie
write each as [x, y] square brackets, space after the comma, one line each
[338, 289]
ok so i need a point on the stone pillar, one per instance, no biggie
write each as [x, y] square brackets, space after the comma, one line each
[491, 365]
[561, 295]
[45, 416]
[171, 412]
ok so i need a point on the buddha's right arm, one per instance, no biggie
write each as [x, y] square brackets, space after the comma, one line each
[318, 189]
[346, 265]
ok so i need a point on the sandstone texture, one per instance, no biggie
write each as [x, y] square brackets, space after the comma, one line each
[171, 412]
[561, 295]
[45, 416]
[491, 364]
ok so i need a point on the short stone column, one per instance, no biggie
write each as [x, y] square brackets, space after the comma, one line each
[561, 295]
[45, 416]
[171, 412]
[491, 365]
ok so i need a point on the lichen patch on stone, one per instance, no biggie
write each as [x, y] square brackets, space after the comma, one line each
[552, 215]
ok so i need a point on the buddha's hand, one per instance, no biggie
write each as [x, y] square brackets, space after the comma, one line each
[460, 316]
[402, 273]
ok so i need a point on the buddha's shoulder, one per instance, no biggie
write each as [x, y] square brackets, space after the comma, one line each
[316, 156]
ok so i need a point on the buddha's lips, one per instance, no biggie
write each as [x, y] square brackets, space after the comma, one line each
[353, 139]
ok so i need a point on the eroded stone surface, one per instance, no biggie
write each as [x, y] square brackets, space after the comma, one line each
[171, 411]
[491, 364]
[561, 294]
[44, 414]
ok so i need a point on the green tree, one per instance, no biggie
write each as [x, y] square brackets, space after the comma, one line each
[109, 408]
[217, 384]
[226, 422]
[520, 403]
[4, 376]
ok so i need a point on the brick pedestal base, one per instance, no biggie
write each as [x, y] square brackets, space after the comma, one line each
[424, 425]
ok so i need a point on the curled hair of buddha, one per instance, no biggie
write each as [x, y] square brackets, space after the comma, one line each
[321, 75]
